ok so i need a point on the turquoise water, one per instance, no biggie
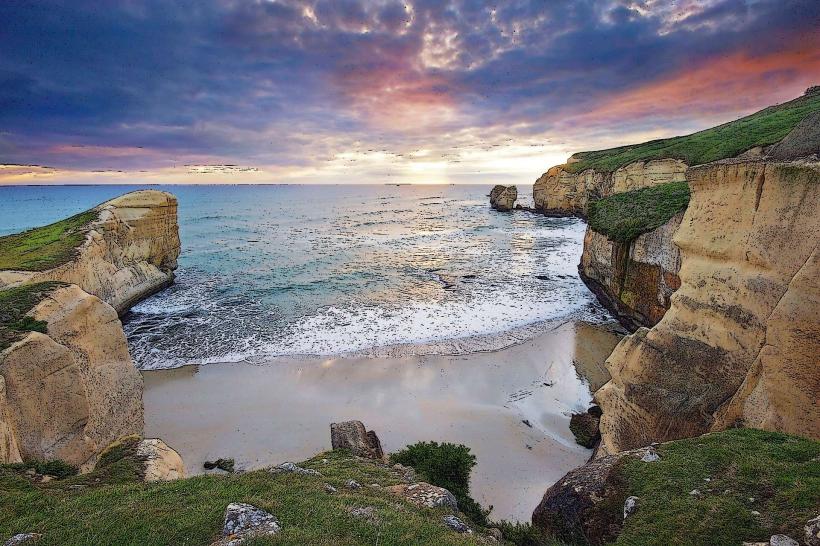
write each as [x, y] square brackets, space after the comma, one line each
[298, 270]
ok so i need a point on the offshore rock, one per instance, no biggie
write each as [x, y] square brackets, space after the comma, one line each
[502, 198]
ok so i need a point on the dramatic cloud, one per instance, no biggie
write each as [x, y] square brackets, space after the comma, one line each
[377, 91]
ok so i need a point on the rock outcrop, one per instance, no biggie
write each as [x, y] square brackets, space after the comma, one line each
[71, 391]
[353, 435]
[130, 251]
[740, 342]
[560, 192]
[502, 198]
[634, 280]
[160, 462]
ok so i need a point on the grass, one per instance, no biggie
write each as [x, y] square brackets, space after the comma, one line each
[45, 247]
[117, 510]
[624, 216]
[14, 304]
[774, 474]
[762, 128]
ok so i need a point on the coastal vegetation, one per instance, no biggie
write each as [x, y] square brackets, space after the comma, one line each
[45, 247]
[762, 128]
[624, 216]
[14, 304]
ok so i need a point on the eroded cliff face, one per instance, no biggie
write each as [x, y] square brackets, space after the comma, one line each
[69, 392]
[740, 342]
[634, 280]
[129, 252]
[560, 192]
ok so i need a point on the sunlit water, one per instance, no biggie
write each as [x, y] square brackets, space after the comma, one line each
[296, 270]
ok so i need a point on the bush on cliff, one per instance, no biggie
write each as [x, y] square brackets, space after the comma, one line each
[445, 465]
[15, 303]
[762, 128]
[624, 216]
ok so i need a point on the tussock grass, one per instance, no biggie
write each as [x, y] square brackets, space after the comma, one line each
[624, 216]
[762, 128]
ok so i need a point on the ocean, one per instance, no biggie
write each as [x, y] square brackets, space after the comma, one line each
[287, 270]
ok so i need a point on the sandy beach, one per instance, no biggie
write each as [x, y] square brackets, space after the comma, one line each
[511, 407]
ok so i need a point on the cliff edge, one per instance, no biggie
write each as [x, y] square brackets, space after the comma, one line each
[120, 251]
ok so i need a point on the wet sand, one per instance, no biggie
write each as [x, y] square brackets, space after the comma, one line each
[266, 414]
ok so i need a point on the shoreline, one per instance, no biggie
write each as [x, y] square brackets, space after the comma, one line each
[510, 406]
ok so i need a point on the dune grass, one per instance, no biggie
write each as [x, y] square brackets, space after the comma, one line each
[116, 510]
[735, 473]
[624, 216]
[762, 128]
[15, 303]
[45, 247]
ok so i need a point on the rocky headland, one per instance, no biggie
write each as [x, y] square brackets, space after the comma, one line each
[68, 386]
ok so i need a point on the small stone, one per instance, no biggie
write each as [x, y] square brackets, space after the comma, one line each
[456, 524]
[527, 422]
[375, 485]
[782, 540]
[366, 513]
[23, 538]
[325, 461]
[650, 456]
[329, 488]
[46, 479]
[496, 533]
[353, 484]
[630, 505]
[245, 521]
[707, 479]
[755, 513]
[31, 472]
[694, 492]
[751, 499]
[292, 468]
[812, 532]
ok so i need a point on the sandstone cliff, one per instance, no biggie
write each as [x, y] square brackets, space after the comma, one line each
[72, 390]
[741, 340]
[634, 279]
[560, 191]
[128, 252]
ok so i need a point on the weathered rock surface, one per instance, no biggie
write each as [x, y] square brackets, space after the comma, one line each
[129, 253]
[353, 435]
[563, 193]
[244, 522]
[502, 198]
[69, 393]
[161, 463]
[293, 468]
[584, 427]
[740, 342]
[811, 532]
[22, 538]
[634, 280]
[424, 495]
[586, 504]
[455, 523]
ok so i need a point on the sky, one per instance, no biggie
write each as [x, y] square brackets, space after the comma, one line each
[382, 91]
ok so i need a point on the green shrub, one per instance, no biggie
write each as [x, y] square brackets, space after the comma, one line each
[524, 534]
[445, 465]
[624, 216]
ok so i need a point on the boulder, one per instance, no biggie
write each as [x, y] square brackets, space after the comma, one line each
[244, 522]
[161, 463]
[584, 426]
[22, 538]
[293, 468]
[579, 507]
[502, 198]
[812, 532]
[424, 495]
[353, 436]
[456, 524]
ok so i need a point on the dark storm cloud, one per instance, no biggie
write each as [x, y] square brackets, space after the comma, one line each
[133, 84]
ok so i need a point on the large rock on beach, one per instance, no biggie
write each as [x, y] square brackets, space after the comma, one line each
[353, 435]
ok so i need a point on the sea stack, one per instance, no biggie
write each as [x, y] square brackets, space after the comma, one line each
[502, 198]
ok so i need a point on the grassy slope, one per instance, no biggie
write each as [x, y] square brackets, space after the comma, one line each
[780, 473]
[624, 216]
[117, 511]
[14, 304]
[44, 247]
[762, 128]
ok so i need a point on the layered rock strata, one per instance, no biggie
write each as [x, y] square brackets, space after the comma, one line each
[130, 251]
[740, 342]
[634, 280]
[560, 192]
